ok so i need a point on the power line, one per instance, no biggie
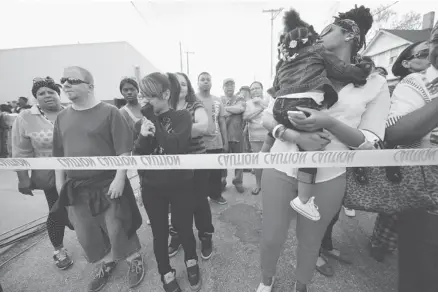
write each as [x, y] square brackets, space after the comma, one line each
[386, 8]
[139, 13]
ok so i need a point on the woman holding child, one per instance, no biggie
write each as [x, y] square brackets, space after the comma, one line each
[350, 122]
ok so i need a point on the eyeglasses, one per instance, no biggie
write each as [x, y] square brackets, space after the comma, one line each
[40, 79]
[423, 54]
[72, 81]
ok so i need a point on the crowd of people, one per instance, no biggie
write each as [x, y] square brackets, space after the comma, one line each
[325, 97]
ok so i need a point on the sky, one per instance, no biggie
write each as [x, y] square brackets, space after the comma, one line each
[227, 38]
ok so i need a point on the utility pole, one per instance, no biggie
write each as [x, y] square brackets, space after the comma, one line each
[274, 14]
[187, 56]
[181, 56]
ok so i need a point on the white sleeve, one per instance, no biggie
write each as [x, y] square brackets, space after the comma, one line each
[408, 96]
[373, 119]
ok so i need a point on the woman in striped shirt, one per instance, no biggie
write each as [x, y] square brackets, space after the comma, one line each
[183, 98]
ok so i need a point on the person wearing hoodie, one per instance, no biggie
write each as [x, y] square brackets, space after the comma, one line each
[164, 131]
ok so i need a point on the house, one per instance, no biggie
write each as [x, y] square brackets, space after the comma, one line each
[387, 44]
[108, 62]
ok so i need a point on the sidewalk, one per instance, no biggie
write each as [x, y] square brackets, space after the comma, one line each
[233, 267]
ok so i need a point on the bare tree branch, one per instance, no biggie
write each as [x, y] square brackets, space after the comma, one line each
[410, 20]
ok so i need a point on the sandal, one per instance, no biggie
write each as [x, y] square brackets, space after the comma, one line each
[340, 258]
[326, 269]
[256, 191]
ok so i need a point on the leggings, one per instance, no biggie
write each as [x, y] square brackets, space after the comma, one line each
[278, 190]
[55, 224]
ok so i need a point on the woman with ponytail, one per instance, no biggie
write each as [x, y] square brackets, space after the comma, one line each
[348, 124]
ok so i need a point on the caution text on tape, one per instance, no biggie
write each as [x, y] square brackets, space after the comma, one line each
[359, 158]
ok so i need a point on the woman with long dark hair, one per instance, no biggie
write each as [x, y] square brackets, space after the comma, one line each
[164, 131]
[357, 111]
[183, 97]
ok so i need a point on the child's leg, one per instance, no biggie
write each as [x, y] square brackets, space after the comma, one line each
[303, 203]
[304, 191]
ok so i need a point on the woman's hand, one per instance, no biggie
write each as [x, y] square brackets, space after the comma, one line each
[25, 186]
[315, 121]
[147, 128]
[432, 86]
[313, 141]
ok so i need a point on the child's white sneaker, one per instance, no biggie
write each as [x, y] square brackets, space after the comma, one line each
[263, 288]
[308, 210]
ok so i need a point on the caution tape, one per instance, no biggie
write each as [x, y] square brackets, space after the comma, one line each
[348, 158]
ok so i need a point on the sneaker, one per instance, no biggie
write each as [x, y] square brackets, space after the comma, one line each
[296, 289]
[62, 259]
[221, 200]
[349, 212]
[308, 210]
[240, 189]
[263, 288]
[206, 248]
[224, 184]
[169, 282]
[136, 272]
[376, 252]
[174, 246]
[194, 275]
[102, 276]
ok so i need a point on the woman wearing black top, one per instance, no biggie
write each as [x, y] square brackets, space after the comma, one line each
[164, 131]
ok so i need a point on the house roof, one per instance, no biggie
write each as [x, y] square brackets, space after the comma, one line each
[413, 36]
[68, 45]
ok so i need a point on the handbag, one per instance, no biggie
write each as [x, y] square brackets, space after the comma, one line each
[391, 189]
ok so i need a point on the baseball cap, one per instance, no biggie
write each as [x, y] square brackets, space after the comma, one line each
[228, 80]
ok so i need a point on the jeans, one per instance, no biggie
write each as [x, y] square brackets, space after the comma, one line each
[418, 251]
[235, 147]
[55, 224]
[278, 190]
[327, 242]
[202, 213]
[215, 179]
[181, 198]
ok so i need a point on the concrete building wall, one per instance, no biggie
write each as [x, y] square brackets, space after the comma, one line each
[108, 62]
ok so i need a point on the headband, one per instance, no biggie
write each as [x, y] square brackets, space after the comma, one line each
[45, 82]
[351, 27]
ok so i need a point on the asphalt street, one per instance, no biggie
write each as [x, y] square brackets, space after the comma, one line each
[233, 267]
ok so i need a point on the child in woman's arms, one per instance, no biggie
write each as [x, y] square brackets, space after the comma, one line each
[303, 80]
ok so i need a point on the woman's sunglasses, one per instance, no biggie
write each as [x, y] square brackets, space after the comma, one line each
[423, 54]
[329, 28]
[72, 81]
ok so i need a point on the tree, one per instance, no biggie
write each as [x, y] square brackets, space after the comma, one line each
[386, 18]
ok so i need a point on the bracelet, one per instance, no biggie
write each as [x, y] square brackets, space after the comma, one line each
[274, 131]
[278, 132]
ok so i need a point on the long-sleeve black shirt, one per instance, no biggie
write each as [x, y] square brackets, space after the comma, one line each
[172, 136]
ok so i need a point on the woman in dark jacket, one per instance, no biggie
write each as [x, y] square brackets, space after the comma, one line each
[164, 131]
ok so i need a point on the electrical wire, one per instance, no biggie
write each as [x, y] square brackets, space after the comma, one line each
[386, 8]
